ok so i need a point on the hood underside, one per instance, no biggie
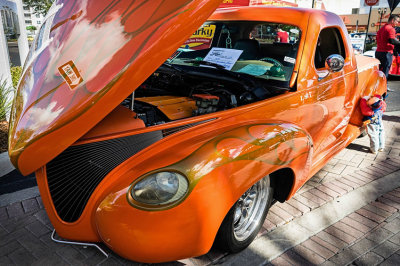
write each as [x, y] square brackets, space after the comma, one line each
[89, 56]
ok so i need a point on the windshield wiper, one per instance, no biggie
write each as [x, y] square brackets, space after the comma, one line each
[206, 63]
[242, 78]
[178, 53]
[173, 66]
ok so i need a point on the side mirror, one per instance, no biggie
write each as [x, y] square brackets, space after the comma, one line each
[334, 63]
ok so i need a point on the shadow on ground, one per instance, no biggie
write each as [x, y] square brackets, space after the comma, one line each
[358, 147]
[391, 118]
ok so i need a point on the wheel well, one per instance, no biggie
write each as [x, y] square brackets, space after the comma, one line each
[282, 182]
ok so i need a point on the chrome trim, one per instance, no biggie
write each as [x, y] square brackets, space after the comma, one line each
[78, 243]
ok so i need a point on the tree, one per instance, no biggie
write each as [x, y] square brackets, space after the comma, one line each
[31, 29]
[39, 6]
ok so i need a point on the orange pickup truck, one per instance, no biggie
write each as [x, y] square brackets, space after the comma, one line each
[162, 127]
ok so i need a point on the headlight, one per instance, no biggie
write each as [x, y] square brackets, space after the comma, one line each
[160, 188]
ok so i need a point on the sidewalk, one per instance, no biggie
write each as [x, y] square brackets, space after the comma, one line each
[348, 213]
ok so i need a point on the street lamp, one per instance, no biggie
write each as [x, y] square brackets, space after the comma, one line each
[381, 12]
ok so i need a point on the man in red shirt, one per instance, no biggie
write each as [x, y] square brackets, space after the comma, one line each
[386, 40]
[282, 36]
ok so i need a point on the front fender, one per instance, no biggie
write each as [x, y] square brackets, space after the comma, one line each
[219, 172]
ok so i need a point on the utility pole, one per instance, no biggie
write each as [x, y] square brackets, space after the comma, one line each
[366, 34]
[313, 4]
[381, 12]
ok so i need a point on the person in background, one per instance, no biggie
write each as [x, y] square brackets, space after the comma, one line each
[281, 35]
[386, 40]
[373, 108]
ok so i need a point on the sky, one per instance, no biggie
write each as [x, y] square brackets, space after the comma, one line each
[341, 7]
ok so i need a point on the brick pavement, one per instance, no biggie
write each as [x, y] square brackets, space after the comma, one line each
[368, 235]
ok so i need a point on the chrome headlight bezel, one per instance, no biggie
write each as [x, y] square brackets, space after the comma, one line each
[149, 181]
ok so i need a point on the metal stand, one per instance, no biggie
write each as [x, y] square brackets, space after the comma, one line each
[133, 101]
[78, 243]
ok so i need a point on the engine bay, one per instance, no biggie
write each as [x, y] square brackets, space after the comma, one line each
[177, 92]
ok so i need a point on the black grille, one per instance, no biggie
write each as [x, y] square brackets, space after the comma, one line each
[172, 130]
[74, 174]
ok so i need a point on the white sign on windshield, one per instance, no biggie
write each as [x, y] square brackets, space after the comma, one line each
[223, 56]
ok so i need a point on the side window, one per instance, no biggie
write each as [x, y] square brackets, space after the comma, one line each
[329, 42]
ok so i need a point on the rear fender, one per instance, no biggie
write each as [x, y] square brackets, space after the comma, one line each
[376, 84]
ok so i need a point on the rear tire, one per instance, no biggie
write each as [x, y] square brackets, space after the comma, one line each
[245, 218]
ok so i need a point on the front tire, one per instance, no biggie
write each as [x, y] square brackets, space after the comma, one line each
[243, 221]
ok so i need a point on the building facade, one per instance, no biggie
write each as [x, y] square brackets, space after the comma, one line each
[358, 22]
[8, 10]
[32, 19]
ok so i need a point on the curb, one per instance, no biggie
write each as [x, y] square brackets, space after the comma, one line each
[5, 164]
[24, 194]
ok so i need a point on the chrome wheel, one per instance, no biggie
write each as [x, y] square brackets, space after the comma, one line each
[249, 210]
[245, 218]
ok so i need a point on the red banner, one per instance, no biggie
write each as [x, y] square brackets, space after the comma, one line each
[229, 3]
[272, 3]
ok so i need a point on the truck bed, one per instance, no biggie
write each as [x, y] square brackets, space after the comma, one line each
[365, 62]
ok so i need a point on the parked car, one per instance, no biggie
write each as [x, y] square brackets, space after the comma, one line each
[159, 142]
[395, 68]
[361, 35]
[370, 53]
[359, 42]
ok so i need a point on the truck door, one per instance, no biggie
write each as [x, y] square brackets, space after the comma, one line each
[333, 91]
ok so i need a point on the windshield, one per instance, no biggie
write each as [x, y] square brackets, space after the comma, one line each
[264, 50]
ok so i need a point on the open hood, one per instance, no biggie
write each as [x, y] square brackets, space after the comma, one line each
[87, 58]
